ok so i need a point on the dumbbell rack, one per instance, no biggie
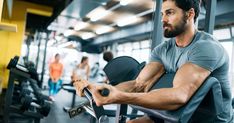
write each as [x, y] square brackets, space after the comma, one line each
[17, 75]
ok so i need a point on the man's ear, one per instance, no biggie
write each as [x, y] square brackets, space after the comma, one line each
[190, 14]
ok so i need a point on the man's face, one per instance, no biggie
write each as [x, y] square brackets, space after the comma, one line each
[173, 18]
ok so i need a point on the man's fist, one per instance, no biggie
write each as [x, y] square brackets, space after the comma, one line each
[79, 85]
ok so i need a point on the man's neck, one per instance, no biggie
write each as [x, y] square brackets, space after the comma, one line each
[186, 37]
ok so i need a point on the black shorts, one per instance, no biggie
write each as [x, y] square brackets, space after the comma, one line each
[156, 120]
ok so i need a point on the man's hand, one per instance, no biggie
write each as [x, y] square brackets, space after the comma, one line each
[80, 84]
[115, 96]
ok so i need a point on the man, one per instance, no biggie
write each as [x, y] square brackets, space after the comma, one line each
[108, 56]
[192, 54]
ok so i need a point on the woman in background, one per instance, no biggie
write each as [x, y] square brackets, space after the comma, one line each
[82, 69]
[56, 70]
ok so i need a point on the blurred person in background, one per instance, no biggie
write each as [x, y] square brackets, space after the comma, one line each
[82, 69]
[107, 56]
[56, 71]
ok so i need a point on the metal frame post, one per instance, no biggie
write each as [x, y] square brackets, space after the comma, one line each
[121, 113]
[210, 16]
[38, 50]
[44, 58]
[157, 30]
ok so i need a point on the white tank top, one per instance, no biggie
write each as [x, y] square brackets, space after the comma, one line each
[81, 72]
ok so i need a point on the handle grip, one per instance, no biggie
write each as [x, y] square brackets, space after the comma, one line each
[105, 92]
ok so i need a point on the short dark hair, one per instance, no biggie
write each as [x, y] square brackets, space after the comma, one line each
[83, 59]
[107, 56]
[186, 5]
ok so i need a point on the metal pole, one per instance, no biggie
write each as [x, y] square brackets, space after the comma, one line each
[210, 16]
[232, 55]
[38, 50]
[157, 30]
[121, 112]
[44, 59]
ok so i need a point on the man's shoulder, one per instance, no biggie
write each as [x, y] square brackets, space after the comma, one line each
[205, 37]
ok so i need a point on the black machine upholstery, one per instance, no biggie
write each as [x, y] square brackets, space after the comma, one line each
[204, 106]
[123, 68]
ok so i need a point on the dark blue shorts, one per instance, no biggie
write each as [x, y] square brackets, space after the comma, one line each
[156, 120]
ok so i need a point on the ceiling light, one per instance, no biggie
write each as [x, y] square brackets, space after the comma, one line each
[99, 16]
[103, 3]
[127, 21]
[98, 13]
[87, 35]
[103, 29]
[133, 19]
[69, 32]
[80, 25]
[124, 2]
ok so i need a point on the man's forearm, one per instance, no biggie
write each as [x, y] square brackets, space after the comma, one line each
[164, 99]
[126, 86]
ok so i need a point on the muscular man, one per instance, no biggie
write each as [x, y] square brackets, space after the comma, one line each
[192, 54]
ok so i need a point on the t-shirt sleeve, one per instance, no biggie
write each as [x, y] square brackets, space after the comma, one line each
[156, 53]
[206, 54]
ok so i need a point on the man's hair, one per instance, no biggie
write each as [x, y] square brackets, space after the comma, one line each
[83, 59]
[186, 5]
[107, 56]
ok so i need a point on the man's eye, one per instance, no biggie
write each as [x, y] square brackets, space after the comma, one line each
[168, 13]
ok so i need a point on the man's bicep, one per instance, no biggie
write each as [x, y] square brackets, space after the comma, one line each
[189, 78]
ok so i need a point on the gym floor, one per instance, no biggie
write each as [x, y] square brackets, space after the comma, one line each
[58, 115]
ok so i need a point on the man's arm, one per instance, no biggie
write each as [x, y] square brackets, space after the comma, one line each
[186, 81]
[146, 78]
[150, 73]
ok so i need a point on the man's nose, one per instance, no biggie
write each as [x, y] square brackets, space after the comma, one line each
[164, 19]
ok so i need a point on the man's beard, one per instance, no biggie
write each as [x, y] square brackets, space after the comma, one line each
[177, 30]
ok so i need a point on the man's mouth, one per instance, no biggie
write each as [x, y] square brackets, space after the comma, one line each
[166, 26]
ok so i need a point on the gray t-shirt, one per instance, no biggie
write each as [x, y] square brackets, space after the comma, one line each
[204, 51]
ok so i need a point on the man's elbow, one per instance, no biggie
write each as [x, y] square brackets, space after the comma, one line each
[181, 100]
[176, 105]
